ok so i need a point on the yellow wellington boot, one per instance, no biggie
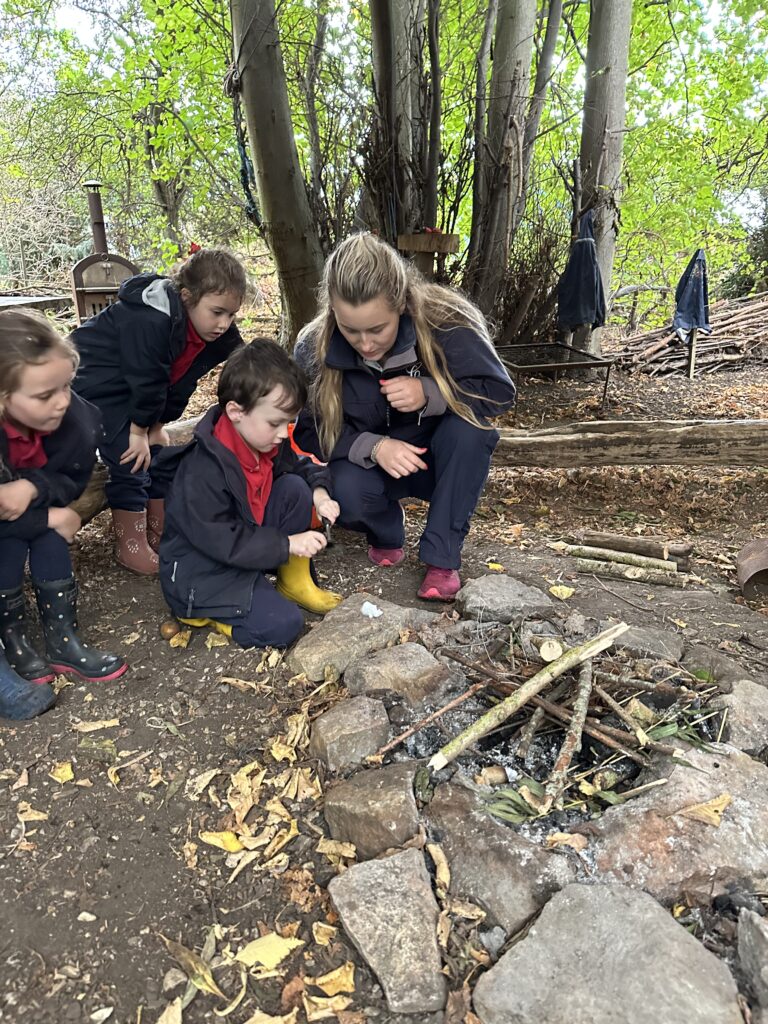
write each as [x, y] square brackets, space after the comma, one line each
[295, 582]
[219, 627]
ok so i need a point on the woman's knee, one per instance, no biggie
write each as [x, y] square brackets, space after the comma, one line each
[457, 434]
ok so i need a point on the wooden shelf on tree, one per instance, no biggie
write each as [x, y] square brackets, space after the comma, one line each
[425, 245]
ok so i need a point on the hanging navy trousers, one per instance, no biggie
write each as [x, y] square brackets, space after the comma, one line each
[458, 460]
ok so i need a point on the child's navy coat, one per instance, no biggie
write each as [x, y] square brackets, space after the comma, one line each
[127, 350]
[71, 453]
[212, 549]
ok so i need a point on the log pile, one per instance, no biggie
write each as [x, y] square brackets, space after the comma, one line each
[739, 333]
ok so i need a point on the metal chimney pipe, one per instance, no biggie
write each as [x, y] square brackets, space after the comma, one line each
[96, 214]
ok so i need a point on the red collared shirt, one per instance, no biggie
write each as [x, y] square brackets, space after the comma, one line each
[182, 362]
[256, 466]
[25, 452]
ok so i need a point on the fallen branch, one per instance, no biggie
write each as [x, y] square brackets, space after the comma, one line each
[558, 779]
[424, 722]
[653, 547]
[633, 574]
[506, 708]
[619, 711]
[623, 557]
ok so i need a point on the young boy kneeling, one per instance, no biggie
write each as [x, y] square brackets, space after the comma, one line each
[240, 504]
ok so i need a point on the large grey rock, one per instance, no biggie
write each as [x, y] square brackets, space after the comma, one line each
[388, 910]
[753, 953]
[375, 809]
[648, 844]
[407, 669]
[605, 954]
[724, 671]
[349, 732]
[651, 643]
[346, 634]
[494, 866]
[498, 598]
[746, 726]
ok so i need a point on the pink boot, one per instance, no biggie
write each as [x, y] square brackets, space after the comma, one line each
[386, 556]
[440, 584]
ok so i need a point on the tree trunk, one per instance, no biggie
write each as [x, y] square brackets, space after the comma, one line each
[288, 222]
[602, 132]
[638, 443]
[502, 162]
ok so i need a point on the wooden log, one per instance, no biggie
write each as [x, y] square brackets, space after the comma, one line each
[638, 443]
[633, 574]
[653, 547]
[621, 557]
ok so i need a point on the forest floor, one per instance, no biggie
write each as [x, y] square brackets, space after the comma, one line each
[96, 871]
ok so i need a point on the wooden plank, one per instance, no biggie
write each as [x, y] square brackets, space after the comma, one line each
[428, 241]
[638, 443]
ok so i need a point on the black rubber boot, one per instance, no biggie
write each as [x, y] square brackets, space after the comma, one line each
[57, 603]
[21, 655]
[20, 699]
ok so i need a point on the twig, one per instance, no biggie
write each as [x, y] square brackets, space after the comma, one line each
[630, 723]
[660, 748]
[422, 723]
[558, 779]
[506, 708]
[531, 728]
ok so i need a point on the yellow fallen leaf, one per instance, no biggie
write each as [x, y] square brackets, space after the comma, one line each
[465, 909]
[215, 640]
[334, 848]
[102, 723]
[196, 786]
[495, 566]
[264, 1018]
[62, 772]
[274, 806]
[572, 839]
[323, 934]
[318, 1008]
[342, 979]
[25, 812]
[269, 950]
[132, 638]
[282, 752]
[172, 1013]
[710, 813]
[561, 591]
[281, 839]
[223, 840]
[442, 870]
[181, 639]
[195, 968]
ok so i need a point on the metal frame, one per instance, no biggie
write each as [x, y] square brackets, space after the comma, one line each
[589, 362]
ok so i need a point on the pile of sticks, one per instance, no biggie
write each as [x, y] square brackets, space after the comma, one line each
[739, 332]
[636, 559]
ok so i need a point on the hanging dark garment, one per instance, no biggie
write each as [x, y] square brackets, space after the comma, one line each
[692, 299]
[580, 295]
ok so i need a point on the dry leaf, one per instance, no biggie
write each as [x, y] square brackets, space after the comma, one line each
[22, 781]
[442, 870]
[335, 848]
[463, 908]
[710, 813]
[494, 566]
[323, 934]
[172, 1013]
[102, 723]
[318, 1008]
[572, 839]
[282, 752]
[264, 1018]
[195, 968]
[226, 840]
[342, 979]
[196, 786]
[281, 840]
[269, 951]
[443, 929]
[25, 812]
[190, 854]
[353, 1017]
[181, 639]
[561, 591]
[132, 638]
[62, 772]
[290, 997]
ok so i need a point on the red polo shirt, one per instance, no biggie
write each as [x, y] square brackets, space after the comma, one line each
[182, 362]
[25, 452]
[256, 466]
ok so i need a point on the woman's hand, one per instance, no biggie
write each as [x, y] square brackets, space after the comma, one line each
[15, 499]
[137, 451]
[158, 435]
[406, 394]
[305, 545]
[65, 521]
[325, 506]
[398, 458]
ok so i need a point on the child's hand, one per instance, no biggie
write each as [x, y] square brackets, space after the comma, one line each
[158, 435]
[305, 545]
[325, 506]
[398, 458]
[15, 499]
[406, 394]
[65, 521]
[137, 451]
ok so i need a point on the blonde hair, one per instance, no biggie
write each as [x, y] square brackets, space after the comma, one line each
[363, 268]
[27, 338]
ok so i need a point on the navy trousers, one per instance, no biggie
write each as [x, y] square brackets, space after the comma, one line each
[48, 554]
[458, 460]
[126, 490]
[273, 620]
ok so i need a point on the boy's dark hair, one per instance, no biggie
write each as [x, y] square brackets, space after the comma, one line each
[210, 270]
[255, 369]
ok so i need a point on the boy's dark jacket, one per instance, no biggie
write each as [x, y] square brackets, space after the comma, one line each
[471, 361]
[71, 452]
[212, 549]
[127, 350]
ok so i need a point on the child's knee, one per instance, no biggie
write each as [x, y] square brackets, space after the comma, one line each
[275, 631]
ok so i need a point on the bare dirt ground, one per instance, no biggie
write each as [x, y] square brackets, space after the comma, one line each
[95, 870]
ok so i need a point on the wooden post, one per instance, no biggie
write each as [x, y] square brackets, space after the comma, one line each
[692, 354]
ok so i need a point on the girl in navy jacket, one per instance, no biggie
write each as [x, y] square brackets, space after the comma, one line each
[140, 361]
[405, 381]
[47, 453]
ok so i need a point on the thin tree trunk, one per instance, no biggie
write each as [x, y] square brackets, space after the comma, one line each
[480, 176]
[602, 134]
[435, 115]
[288, 222]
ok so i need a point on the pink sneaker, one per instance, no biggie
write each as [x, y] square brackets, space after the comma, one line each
[386, 556]
[440, 584]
